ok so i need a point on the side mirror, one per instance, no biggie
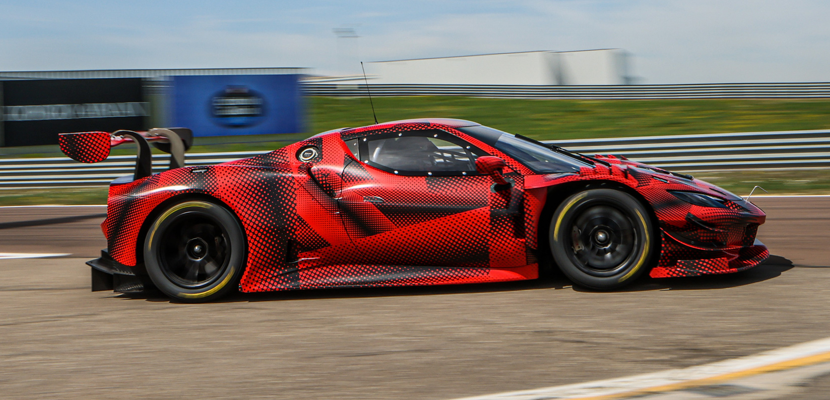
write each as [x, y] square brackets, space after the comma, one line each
[489, 165]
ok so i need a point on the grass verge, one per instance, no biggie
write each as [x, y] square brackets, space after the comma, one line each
[775, 182]
[540, 119]
[575, 119]
[67, 196]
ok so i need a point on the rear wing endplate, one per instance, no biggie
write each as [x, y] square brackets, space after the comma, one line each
[93, 147]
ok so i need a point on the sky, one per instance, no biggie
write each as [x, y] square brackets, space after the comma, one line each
[668, 41]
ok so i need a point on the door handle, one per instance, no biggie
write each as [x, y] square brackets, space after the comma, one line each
[373, 199]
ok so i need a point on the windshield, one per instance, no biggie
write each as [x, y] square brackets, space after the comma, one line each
[538, 158]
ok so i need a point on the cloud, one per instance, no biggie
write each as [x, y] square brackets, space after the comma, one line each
[669, 41]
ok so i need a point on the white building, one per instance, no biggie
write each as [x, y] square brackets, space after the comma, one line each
[590, 67]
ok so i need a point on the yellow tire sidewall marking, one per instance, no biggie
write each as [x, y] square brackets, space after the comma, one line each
[643, 256]
[565, 211]
[167, 213]
[161, 219]
[213, 289]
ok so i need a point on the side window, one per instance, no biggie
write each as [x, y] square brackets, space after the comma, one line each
[430, 152]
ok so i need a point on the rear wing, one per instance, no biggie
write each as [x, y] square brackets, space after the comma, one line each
[93, 147]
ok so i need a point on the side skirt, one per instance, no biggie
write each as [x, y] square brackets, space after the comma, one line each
[361, 275]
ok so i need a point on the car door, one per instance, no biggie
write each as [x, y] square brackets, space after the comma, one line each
[415, 198]
[319, 237]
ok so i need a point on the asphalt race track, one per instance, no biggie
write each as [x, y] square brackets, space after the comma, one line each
[59, 340]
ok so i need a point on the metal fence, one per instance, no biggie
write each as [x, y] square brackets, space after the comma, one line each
[64, 172]
[595, 92]
[792, 149]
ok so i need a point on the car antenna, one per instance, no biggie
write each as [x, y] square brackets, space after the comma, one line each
[753, 191]
[370, 93]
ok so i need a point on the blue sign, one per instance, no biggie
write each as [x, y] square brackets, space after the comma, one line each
[223, 105]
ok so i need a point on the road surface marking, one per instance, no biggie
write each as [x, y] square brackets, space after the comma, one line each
[15, 256]
[787, 358]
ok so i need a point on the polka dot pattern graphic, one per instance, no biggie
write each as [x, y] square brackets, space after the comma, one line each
[331, 220]
[85, 147]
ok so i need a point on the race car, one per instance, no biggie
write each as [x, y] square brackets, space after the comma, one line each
[414, 202]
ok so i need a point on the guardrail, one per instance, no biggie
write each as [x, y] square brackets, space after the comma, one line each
[751, 150]
[594, 92]
[685, 153]
[19, 173]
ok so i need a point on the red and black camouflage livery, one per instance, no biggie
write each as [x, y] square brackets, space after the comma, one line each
[695, 240]
[314, 224]
[86, 147]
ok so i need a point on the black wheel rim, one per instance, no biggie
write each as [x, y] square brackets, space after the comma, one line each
[603, 240]
[194, 250]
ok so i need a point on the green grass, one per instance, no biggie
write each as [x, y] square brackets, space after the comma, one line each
[776, 182]
[26, 197]
[574, 119]
[540, 119]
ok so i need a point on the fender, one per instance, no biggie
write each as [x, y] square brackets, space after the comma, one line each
[268, 193]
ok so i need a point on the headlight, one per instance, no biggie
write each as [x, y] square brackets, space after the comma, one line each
[699, 199]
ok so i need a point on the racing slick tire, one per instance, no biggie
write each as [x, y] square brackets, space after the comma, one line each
[602, 238]
[195, 251]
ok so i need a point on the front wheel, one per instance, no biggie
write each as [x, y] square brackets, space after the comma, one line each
[194, 251]
[602, 238]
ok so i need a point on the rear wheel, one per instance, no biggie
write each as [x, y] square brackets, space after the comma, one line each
[602, 238]
[194, 251]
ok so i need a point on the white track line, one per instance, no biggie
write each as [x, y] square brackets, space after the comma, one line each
[800, 355]
[17, 256]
